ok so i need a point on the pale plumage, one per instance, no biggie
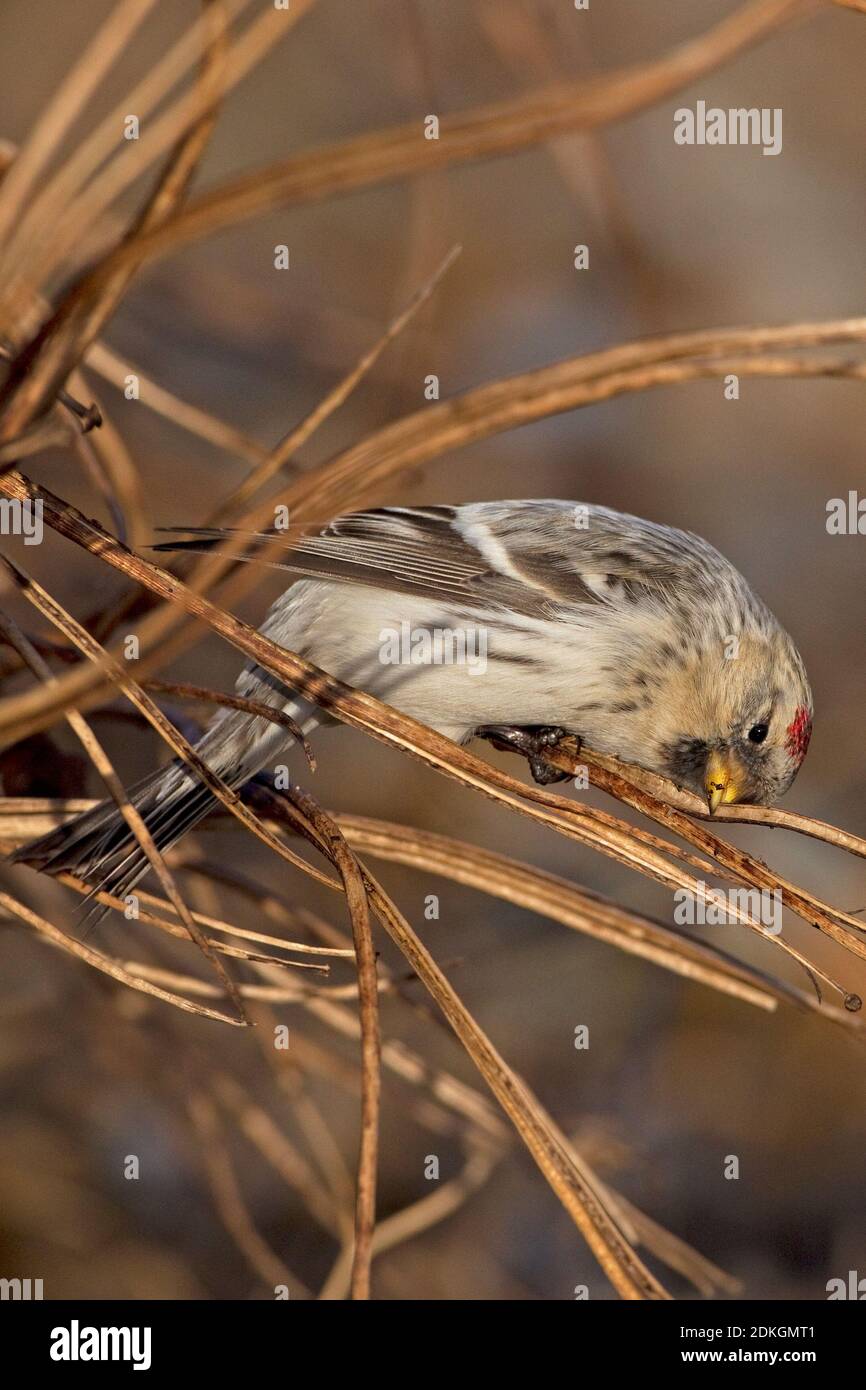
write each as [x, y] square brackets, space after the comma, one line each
[642, 639]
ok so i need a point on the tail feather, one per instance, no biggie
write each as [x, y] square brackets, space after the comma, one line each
[98, 846]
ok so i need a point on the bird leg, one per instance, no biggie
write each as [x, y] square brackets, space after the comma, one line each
[531, 742]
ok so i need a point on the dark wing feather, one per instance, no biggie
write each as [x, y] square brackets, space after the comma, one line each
[526, 557]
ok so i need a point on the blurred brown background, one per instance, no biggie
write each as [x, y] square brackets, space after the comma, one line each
[675, 1078]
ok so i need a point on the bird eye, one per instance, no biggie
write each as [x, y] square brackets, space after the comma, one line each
[758, 732]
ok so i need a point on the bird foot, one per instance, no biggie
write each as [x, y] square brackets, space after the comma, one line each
[532, 743]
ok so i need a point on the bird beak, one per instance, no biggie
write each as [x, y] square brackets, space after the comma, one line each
[723, 782]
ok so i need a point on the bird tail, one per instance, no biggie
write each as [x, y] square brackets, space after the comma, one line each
[98, 846]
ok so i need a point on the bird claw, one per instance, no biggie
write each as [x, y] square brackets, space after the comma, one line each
[531, 742]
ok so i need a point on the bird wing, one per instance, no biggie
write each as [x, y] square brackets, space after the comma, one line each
[531, 557]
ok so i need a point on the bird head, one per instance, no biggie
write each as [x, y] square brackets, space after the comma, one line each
[738, 719]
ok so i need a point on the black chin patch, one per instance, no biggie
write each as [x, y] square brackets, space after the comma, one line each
[686, 759]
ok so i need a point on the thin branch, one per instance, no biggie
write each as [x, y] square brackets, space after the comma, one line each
[107, 966]
[11, 633]
[154, 716]
[413, 1220]
[228, 1197]
[202, 423]
[39, 372]
[79, 85]
[562, 901]
[283, 451]
[485, 133]
[574, 1183]
[770, 816]
[327, 836]
[28, 252]
[202, 694]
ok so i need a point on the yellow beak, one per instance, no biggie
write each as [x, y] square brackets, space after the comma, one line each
[723, 782]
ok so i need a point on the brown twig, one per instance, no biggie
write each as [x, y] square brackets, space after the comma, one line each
[39, 372]
[228, 1197]
[489, 132]
[773, 817]
[285, 449]
[106, 965]
[202, 694]
[202, 423]
[11, 633]
[326, 835]
[76, 90]
[579, 908]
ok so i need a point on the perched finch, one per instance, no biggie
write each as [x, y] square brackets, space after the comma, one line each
[515, 620]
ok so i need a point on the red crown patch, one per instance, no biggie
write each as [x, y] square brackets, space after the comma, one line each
[799, 732]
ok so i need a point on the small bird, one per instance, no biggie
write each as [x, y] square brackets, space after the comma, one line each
[517, 621]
